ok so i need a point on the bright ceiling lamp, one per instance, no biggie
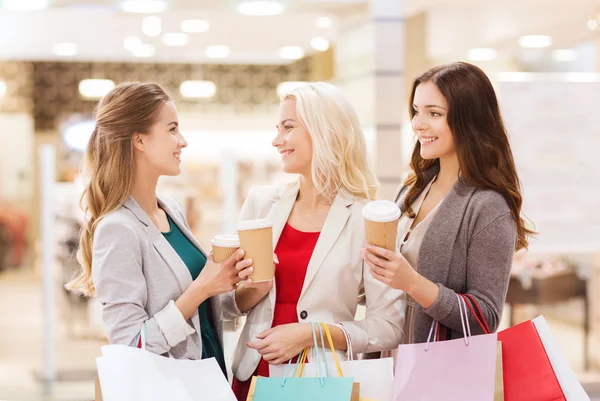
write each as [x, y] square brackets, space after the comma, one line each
[319, 43]
[77, 136]
[564, 55]
[3, 88]
[194, 26]
[217, 51]
[481, 54]
[152, 26]
[65, 49]
[25, 5]
[592, 25]
[260, 8]
[132, 43]
[291, 52]
[95, 88]
[175, 39]
[144, 6]
[323, 22]
[144, 51]
[535, 41]
[197, 89]
[288, 86]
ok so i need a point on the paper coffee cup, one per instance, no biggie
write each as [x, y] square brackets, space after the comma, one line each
[256, 239]
[224, 246]
[381, 223]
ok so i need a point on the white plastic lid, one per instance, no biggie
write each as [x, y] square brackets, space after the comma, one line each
[253, 224]
[381, 211]
[226, 241]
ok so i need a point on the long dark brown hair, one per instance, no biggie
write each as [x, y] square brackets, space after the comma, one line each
[484, 154]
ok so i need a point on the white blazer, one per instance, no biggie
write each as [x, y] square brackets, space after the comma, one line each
[334, 278]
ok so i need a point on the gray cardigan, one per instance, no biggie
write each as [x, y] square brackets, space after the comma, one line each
[468, 248]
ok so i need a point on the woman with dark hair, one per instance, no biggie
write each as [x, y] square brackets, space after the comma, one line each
[461, 206]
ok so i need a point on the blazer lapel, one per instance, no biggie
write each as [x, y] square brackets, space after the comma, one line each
[163, 247]
[437, 247]
[182, 226]
[280, 211]
[334, 224]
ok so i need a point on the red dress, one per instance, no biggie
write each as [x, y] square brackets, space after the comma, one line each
[293, 250]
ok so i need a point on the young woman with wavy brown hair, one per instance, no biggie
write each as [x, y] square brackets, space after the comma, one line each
[137, 253]
[461, 204]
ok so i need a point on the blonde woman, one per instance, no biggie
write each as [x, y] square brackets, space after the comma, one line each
[137, 253]
[318, 230]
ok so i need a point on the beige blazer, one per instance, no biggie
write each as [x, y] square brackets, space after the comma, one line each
[138, 276]
[334, 278]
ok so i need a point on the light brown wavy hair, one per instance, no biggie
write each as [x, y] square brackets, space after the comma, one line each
[128, 109]
[482, 146]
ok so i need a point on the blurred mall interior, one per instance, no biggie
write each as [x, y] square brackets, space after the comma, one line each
[224, 62]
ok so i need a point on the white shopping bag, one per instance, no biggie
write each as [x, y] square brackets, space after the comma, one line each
[565, 375]
[132, 374]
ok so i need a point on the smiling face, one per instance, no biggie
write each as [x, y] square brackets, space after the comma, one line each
[159, 151]
[293, 141]
[430, 122]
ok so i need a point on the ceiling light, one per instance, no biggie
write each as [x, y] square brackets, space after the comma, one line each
[319, 43]
[323, 22]
[132, 43]
[144, 51]
[143, 6]
[64, 49]
[217, 51]
[592, 24]
[564, 55]
[194, 26]
[481, 54]
[197, 89]
[95, 88]
[288, 86]
[535, 41]
[78, 135]
[152, 26]
[175, 39]
[260, 8]
[291, 52]
[3, 88]
[25, 5]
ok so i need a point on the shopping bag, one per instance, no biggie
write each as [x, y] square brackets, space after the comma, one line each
[299, 388]
[133, 374]
[498, 382]
[374, 375]
[454, 370]
[533, 365]
[473, 306]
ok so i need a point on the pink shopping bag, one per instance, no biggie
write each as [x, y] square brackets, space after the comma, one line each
[455, 370]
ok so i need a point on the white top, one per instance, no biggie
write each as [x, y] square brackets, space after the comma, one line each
[381, 211]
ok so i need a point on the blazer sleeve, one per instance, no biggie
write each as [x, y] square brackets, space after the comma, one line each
[230, 307]
[489, 262]
[117, 272]
[382, 327]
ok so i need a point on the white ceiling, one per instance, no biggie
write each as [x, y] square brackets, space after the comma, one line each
[98, 27]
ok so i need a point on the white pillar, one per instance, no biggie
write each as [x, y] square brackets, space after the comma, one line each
[47, 180]
[229, 182]
[370, 63]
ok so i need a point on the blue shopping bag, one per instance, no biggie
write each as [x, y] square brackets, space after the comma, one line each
[298, 388]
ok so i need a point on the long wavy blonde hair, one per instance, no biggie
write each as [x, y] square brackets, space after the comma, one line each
[108, 164]
[340, 160]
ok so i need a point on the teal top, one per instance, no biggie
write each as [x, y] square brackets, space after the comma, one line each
[195, 261]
